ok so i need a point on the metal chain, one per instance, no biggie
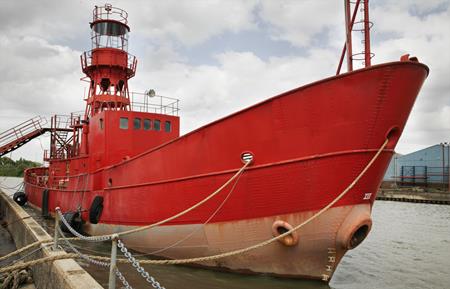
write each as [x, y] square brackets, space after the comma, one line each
[96, 262]
[137, 266]
[75, 233]
[123, 280]
[83, 256]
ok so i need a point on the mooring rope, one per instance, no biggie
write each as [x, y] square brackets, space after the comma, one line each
[15, 279]
[188, 209]
[103, 237]
[211, 257]
[30, 253]
[267, 242]
[38, 261]
[197, 229]
[18, 251]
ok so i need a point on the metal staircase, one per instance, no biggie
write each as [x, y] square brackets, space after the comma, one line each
[19, 135]
[61, 126]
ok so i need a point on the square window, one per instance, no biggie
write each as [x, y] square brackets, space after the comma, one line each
[123, 123]
[167, 126]
[147, 124]
[137, 123]
[157, 124]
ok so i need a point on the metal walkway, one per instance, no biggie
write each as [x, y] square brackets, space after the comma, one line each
[19, 135]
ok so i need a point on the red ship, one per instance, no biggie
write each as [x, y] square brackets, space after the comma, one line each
[123, 165]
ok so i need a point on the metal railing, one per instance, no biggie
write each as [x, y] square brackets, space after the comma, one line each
[108, 12]
[144, 102]
[22, 129]
[65, 121]
[86, 60]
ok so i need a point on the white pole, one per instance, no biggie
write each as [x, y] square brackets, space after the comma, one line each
[113, 267]
[55, 240]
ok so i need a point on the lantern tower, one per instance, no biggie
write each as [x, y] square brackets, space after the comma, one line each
[108, 65]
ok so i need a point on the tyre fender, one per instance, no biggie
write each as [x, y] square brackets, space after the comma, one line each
[20, 198]
[44, 209]
[74, 220]
[95, 212]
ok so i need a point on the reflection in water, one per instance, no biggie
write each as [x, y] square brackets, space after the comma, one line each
[408, 247]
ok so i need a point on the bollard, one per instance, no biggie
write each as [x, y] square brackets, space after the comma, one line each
[55, 240]
[112, 268]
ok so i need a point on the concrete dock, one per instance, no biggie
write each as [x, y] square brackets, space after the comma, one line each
[414, 195]
[24, 230]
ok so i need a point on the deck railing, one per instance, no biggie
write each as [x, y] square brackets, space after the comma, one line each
[146, 102]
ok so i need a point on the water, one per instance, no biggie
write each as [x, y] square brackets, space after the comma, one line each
[408, 247]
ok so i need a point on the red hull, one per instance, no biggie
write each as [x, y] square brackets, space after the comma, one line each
[308, 144]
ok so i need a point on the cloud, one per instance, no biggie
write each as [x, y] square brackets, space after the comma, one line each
[299, 22]
[56, 21]
[190, 22]
[42, 43]
[37, 74]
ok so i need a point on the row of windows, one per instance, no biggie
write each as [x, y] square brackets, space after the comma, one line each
[146, 124]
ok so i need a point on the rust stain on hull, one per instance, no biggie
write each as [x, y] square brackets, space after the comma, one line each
[321, 245]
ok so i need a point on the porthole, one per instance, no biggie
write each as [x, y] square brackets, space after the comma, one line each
[247, 157]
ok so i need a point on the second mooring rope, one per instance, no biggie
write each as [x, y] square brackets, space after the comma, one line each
[218, 256]
[24, 265]
[105, 237]
[264, 243]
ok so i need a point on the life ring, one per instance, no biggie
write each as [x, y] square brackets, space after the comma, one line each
[20, 198]
[74, 220]
[44, 209]
[280, 227]
[96, 209]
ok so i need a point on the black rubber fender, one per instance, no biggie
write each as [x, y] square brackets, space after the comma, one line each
[95, 212]
[20, 198]
[74, 220]
[44, 209]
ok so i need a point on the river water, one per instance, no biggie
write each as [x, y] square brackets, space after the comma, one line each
[408, 247]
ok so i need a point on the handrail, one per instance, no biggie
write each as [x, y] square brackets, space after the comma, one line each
[108, 12]
[86, 59]
[156, 104]
[34, 124]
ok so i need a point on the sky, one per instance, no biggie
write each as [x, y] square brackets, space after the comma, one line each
[216, 56]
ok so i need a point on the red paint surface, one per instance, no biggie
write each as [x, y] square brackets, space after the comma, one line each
[336, 124]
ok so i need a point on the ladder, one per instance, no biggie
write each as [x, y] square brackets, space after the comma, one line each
[22, 133]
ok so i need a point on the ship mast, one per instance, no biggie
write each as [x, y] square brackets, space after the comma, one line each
[108, 65]
[366, 55]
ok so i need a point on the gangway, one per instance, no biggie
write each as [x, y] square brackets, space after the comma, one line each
[19, 135]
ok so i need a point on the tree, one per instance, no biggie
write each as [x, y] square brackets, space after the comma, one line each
[11, 168]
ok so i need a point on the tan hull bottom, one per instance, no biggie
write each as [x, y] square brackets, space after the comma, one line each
[321, 243]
